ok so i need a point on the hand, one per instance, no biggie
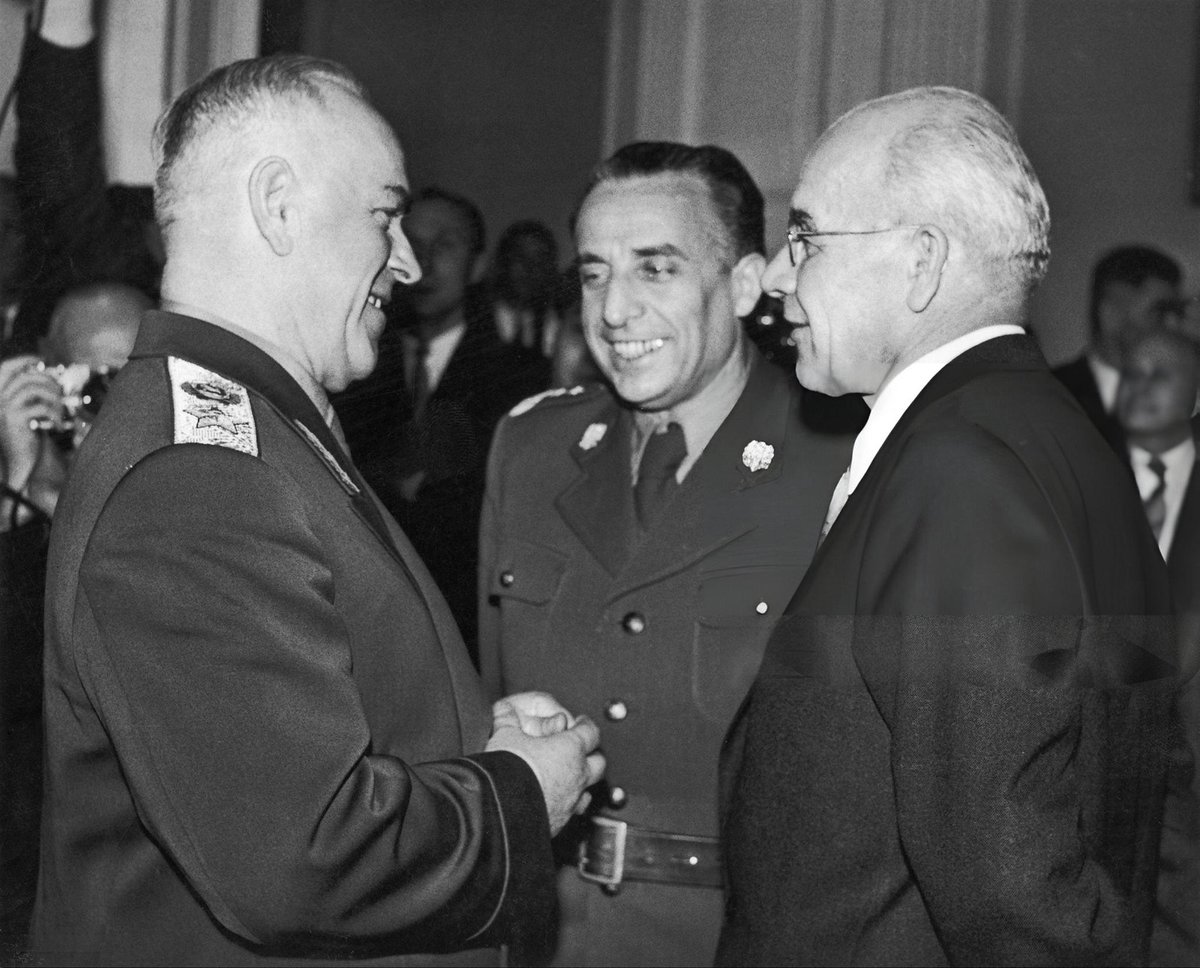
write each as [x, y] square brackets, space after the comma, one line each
[565, 762]
[26, 394]
[539, 713]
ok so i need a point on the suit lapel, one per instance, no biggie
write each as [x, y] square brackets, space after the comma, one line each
[703, 516]
[598, 504]
[1002, 353]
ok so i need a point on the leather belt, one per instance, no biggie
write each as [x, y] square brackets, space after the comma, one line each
[614, 852]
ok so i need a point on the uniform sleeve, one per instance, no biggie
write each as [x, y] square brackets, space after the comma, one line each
[223, 673]
[1012, 718]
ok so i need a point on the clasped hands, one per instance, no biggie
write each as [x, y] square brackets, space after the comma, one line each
[561, 749]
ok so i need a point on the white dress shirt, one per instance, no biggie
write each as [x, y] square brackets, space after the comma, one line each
[1178, 460]
[1108, 381]
[902, 389]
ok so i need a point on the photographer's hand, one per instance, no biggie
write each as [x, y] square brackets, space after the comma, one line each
[27, 394]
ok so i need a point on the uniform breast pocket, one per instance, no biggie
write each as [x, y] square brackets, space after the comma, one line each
[736, 609]
[523, 584]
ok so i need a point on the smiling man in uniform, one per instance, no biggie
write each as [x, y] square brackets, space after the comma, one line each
[640, 537]
[264, 737]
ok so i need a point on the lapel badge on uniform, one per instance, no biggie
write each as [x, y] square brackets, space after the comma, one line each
[592, 436]
[758, 456]
[330, 461]
[210, 409]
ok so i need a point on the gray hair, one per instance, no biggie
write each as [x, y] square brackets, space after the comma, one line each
[958, 163]
[226, 100]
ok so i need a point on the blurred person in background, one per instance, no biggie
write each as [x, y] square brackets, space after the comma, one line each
[524, 284]
[420, 426]
[47, 403]
[1134, 289]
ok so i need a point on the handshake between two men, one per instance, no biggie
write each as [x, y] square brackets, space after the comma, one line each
[561, 749]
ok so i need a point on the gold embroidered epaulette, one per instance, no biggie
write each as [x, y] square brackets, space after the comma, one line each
[530, 402]
[210, 409]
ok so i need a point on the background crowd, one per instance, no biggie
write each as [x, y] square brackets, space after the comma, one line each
[487, 325]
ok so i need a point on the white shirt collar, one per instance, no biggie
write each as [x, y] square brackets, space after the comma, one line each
[902, 389]
[1108, 380]
[1178, 460]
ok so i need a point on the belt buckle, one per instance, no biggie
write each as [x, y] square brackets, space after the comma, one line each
[613, 880]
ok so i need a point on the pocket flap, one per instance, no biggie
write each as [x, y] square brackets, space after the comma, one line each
[744, 596]
[527, 573]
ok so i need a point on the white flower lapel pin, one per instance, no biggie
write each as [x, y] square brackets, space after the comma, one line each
[758, 456]
[592, 436]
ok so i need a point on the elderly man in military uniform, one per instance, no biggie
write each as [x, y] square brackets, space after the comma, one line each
[640, 537]
[264, 739]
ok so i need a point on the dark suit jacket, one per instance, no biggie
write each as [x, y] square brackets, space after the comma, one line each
[955, 750]
[562, 575]
[263, 734]
[483, 379]
[1077, 377]
[1183, 561]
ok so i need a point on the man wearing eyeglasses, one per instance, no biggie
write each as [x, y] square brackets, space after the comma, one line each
[955, 748]
[640, 538]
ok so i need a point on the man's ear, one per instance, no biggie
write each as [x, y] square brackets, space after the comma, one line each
[746, 278]
[929, 249]
[272, 196]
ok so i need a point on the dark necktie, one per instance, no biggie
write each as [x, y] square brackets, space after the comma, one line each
[656, 473]
[1156, 502]
[420, 377]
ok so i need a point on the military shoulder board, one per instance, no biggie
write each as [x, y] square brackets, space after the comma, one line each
[530, 402]
[210, 408]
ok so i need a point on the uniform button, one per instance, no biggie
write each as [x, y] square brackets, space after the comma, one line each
[634, 623]
[616, 710]
[761, 608]
[617, 797]
[507, 578]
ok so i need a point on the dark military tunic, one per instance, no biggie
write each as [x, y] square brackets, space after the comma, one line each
[263, 732]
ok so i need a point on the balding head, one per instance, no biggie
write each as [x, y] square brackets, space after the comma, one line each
[947, 156]
[917, 219]
[235, 112]
[280, 192]
[96, 325]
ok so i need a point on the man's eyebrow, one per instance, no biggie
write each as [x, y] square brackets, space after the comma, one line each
[665, 249]
[587, 258]
[800, 219]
